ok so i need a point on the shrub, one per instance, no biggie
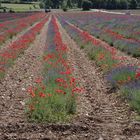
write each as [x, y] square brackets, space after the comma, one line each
[11, 11]
[65, 9]
[41, 5]
[86, 5]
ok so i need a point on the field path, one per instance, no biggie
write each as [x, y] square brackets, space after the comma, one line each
[105, 114]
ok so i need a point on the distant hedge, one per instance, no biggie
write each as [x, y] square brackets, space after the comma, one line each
[97, 4]
[16, 1]
[115, 4]
[86, 5]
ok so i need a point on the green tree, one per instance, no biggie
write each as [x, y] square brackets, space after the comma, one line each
[86, 5]
[133, 4]
[46, 3]
[95, 3]
[79, 3]
[123, 4]
[69, 3]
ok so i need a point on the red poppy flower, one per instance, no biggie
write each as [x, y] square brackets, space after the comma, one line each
[138, 75]
[101, 56]
[49, 95]
[128, 78]
[31, 91]
[77, 90]
[42, 95]
[60, 91]
[66, 72]
[38, 80]
[61, 80]
[31, 107]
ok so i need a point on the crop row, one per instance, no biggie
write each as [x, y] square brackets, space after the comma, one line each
[10, 28]
[120, 75]
[10, 54]
[53, 98]
[120, 31]
[12, 16]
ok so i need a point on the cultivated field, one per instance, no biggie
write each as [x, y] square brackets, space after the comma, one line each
[69, 75]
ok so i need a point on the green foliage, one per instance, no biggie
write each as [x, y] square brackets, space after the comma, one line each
[64, 6]
[133, 95]
[110, 4]
[69, 3]
[133, 4]
[2, 74]
[53, 107]
[98, 4]
[82, 46]
[123, 4]
[86, 5]
[102, 57]
[41, 5]
[79, 3]
[65, 9]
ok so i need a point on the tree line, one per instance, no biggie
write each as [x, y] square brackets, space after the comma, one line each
[98, 4]
[115, 4]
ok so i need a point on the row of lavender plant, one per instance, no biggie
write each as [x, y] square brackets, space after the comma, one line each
[122, 32]
[8, 29]
[122, 76]
[13, 16]
[17, 47]
[53, 98]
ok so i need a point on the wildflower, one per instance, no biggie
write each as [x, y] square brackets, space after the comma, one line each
[49, 95]
[60, 91]
[42, 95]
[101, 56]
[49, 56]
[61, 80]
[43, 87]
[138, 75]
[66, 72]
[38, 80]
[77, 89]
[31, 91]
[128, 78]
[31, 107]
[72, 81]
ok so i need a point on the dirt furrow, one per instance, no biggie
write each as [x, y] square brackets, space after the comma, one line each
[106, 115]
